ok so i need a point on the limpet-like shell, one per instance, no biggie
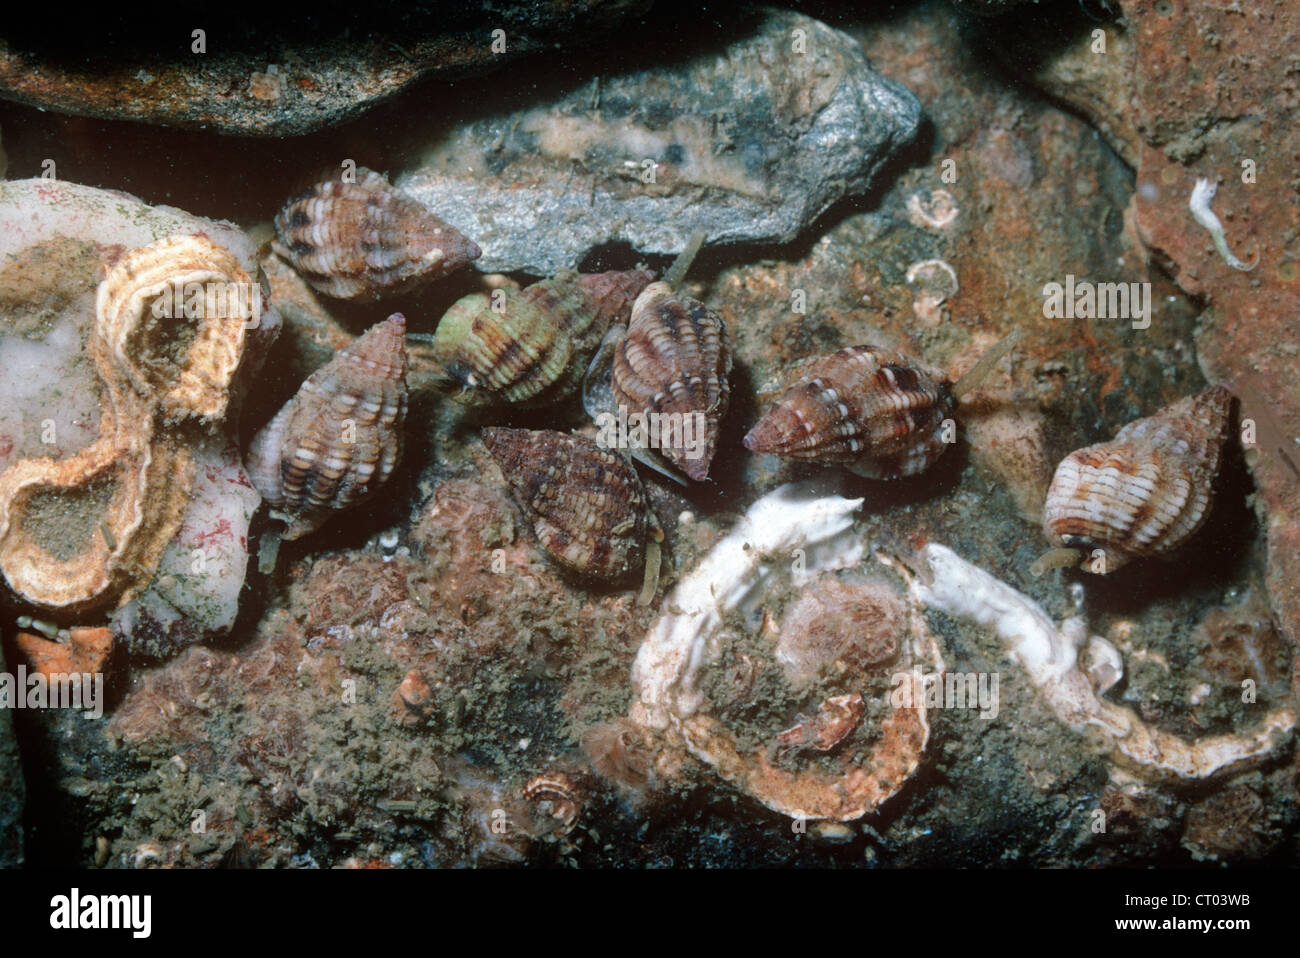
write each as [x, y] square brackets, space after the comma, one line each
[529, 346]
[836, 717]
[339, 439]
[364, 239]
[1147, 490]
[674, 362]
[870, 409]
[586, 503]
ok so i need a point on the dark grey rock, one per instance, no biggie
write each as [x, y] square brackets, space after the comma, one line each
[749, 141]
[12, 792]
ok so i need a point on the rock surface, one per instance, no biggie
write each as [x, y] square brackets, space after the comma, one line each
[750, 143]
[1188, 91]
[321, 77]
[1209, 106]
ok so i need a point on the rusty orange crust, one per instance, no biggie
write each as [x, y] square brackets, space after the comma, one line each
[87, 650]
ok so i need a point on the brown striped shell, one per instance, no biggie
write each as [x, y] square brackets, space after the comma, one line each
[674, 361]
[339, 439]
[364, 239]
[872, 410]
[528, 346]
[1147, 490]
[586, 503]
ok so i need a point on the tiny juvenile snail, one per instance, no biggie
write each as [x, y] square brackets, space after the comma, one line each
[1143, 493]
[666, 374]
[872, 410]
[586, 504]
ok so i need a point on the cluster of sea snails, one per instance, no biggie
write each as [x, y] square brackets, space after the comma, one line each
[626, 342]
[636, 345]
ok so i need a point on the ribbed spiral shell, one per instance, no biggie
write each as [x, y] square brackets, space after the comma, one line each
[1147, 490]
[530, 346]
[339, 439]
[870, 409]
[364, 239]
[675, 361]
[586, 503]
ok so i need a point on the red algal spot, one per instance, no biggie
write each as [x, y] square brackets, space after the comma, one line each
[47, 191]
[107, 254]
[241, 479]
[6, 445]
[205, 539]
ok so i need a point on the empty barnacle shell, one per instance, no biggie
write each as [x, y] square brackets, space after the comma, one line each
[528, 346]
[339, 439]
[872, 410]
[1143, 493]
[84, 531]
[173, 316]
[586, 503]
[363, 239]
[558, 796]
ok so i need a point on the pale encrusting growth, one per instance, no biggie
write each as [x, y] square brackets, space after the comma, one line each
[1050, 657]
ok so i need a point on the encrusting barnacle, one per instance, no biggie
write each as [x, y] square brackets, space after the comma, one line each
[1199, 203]
[524, 347]
[339, 438]
[362, 239]
[670, 674]
[170, 335]
[666, 374]
[586, 504]
[872, 410]
[186, 368]
[1143, 493]
[940, 579]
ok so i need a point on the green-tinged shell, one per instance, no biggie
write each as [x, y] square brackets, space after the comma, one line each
[528, 346]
